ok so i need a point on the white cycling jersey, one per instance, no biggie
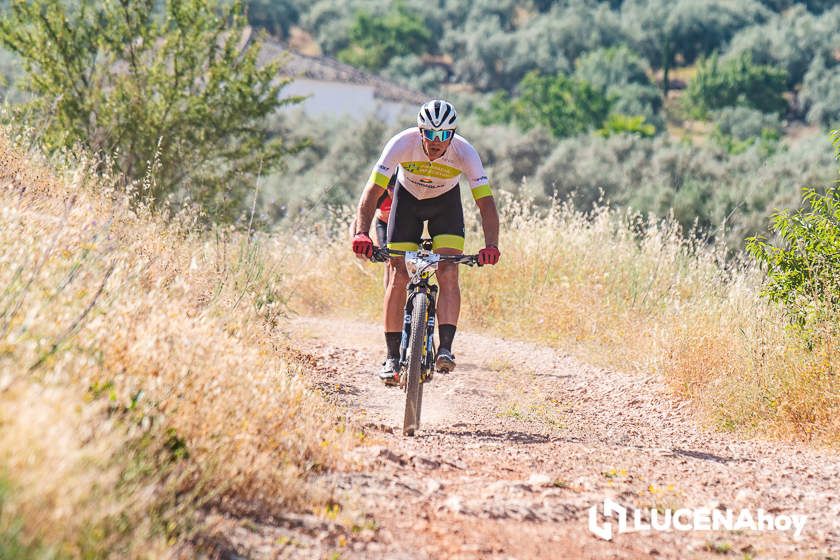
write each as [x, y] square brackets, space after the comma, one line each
[427, 179]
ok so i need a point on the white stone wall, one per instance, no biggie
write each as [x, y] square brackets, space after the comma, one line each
[355, 101]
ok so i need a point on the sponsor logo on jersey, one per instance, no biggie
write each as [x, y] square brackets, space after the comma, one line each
[427, 183]
[480, 179]
[383, 168]
[431, 169]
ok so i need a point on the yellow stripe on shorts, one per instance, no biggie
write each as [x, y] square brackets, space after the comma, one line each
[447, 241]
[403, 246]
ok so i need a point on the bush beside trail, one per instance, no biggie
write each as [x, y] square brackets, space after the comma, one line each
[142, 380]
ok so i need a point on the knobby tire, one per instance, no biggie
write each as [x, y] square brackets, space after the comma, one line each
[413, 387]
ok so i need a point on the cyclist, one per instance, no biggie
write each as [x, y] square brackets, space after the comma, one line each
[429, 160]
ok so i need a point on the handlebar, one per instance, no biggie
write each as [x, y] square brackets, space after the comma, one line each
[382, 254]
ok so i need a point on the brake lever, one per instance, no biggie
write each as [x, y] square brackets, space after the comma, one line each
[379, 255]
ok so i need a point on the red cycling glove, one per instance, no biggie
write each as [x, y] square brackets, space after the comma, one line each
[362, 244]
[489, 255]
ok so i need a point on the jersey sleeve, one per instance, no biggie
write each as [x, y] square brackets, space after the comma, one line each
[387, 164]
[474, 171]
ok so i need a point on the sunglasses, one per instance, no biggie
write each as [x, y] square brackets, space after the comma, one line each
[439, 135]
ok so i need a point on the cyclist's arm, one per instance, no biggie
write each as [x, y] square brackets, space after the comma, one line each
[489, 220]
[378, 183]
[482, 194]
[367, 207]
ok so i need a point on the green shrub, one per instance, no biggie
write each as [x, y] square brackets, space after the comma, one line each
[729, 194]
[171, 95]
[624, 77]
[743, 123]
[668, 31]
[625, 124]
[377, 38]
[737, 82]
[496, 50]
[604, 68]
[486, 56]
[564, 105]
[789, 41]
[820, 94]
[804, 270]
[739, 128]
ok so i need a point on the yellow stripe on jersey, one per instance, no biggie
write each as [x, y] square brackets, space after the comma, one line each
[430, 169]
[379, 179]
[481, 191]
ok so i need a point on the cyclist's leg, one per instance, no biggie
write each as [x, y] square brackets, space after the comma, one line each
[447, 230]
[404, 231]
[449, 301]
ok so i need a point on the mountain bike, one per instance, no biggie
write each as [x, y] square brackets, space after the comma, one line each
[417, 348]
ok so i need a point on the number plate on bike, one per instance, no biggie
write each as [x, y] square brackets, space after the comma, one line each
[421, 262]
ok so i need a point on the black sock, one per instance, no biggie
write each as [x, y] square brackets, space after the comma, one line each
[393, 339]
[446, 333]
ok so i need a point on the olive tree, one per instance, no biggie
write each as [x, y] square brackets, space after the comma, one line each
[736, 82]
[172, 88]
[663, 30]
[275, 16]
[623, 76]
[790, 40]
[820, 95]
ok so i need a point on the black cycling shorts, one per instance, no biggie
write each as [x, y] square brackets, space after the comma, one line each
[444, 214]
[381, 233]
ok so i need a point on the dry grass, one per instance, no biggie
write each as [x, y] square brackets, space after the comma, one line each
[141, 376]
[623, 294]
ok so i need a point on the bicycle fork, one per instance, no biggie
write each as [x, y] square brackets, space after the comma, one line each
[429, 363]
[429, 358]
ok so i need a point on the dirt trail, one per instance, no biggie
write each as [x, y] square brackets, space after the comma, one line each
[520, 441]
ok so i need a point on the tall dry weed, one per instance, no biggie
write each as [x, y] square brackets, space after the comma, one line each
[141, 376]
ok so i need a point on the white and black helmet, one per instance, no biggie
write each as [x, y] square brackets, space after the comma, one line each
[437, 115]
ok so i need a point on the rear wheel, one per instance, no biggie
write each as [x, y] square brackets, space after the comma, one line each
[413, 387]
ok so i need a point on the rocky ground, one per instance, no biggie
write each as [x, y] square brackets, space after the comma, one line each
[514, 449]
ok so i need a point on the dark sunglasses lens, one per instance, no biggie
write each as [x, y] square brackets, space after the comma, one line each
[440, 135]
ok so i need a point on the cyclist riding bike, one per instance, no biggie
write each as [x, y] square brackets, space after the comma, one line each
[429, 160]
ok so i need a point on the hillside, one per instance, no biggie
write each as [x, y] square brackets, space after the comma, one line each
[720, 114]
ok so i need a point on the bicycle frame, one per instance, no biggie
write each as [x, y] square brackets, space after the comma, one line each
[417, 353]
[424, 265]
[421, 266]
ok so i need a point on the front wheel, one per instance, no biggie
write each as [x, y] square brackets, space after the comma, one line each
[413, 387]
